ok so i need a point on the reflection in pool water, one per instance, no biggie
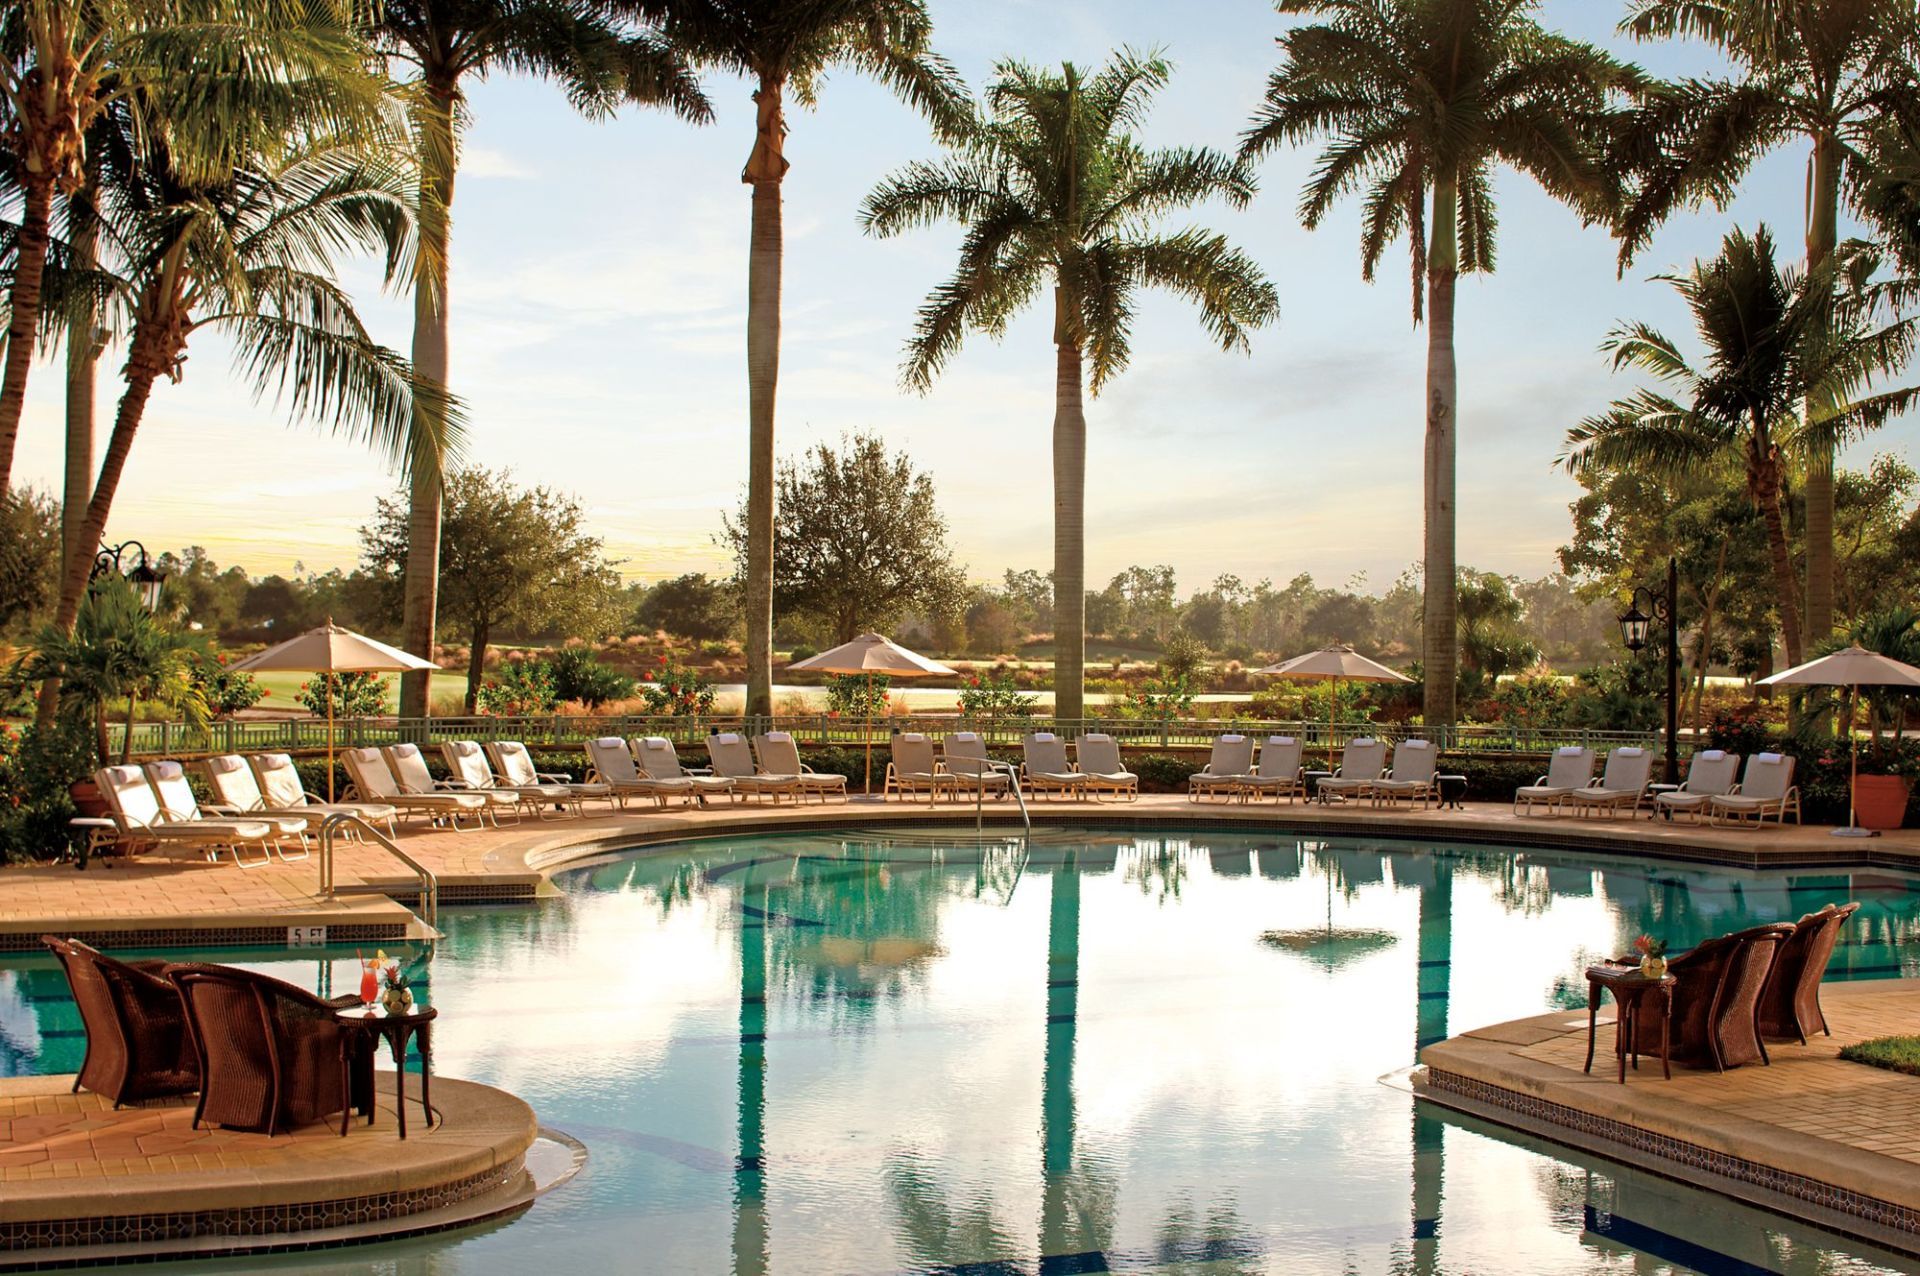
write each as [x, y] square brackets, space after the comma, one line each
[930, 1053]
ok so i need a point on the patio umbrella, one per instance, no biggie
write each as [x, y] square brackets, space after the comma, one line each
[1340, 663]
[867, 655]
[1852, 668]
[331, 650]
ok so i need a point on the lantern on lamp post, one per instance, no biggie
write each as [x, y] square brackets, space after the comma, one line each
[148, 580]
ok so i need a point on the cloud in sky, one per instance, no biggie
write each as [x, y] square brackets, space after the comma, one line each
[598, 302]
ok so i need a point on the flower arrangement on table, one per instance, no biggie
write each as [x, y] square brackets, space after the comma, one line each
[383, 980]
[1653, 956]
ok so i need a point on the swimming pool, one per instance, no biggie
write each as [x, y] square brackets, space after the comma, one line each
[1131, 1052]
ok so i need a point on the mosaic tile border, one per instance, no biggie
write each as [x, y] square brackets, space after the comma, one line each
[25, 941]
[254, 1220]
[1799, 1187]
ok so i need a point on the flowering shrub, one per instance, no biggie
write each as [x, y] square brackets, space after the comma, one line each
[1170, 696]
[579, 677]
[355, 695]
[1738, 729]
[226, 691]
[858, 695]
[677, 691]
[994, 695]
[517, 689]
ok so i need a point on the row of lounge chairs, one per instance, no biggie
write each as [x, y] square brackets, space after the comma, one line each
[263, 1055]
[1715, 788]
[962, 769]
[1232, 772]
[768, 766]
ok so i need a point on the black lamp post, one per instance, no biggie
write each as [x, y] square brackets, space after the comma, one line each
[147, 580]
[1636, 625]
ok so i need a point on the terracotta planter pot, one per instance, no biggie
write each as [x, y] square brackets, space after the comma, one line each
[87, 798]
[1880, 801]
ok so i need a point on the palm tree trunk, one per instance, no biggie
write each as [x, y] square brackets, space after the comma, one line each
[1766, 493]
[1439, 642]
[1069, 521]
[83, 358]
[1823, 212]
[476, 663]
[23, 320]
[766, 168]
[427, 482]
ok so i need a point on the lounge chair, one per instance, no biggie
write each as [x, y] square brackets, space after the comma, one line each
[1716, 1000]
[138, 1046]
[964, 754]
[469, 769]
[777, 754]
[177, 802]
[1098, 756]
[409, 767]
[1362, 763]
[1570, 768]
[913, 769]
[1766, 789]
[281, 789]
[271, 1056]
[236, 791]
[138, 820]
[658, 760]
[1623, 784]
[1790, 1006]
[1414, 763]
[732, 758]
[373, 781]
[1046, 769]
[1278, 771]
[1227, 768]
[610, 762]
[1711, 773]
[513, 762]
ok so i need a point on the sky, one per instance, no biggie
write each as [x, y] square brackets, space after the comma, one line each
[598, 339]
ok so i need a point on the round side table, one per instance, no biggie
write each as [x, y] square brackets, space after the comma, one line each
[374, 1024]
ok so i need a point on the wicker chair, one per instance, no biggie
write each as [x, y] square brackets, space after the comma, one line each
[138, 1045]
[1716, 1003]
[271, 1055]
[1790, 1006]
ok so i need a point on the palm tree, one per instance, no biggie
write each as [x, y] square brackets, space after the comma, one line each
[70, 61]
[1829, 72]
[782, 48]
[599, 61]
[1774, 339]
[250, 257]
[1419, 100]
[1053, 189]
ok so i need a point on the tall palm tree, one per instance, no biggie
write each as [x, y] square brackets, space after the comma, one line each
[65, 62]
[1421, 100]
[1053, 189]
[1774, 339]
[785, 48]
[1827, 72]
[599, 60]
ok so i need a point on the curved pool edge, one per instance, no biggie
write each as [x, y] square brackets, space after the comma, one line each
[1841, 1153]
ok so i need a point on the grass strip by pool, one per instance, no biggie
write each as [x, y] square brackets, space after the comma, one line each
[1896, 1054]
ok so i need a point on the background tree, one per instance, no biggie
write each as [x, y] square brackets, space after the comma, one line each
[511, 559]
[860, 543]
[1422, 99]
[29, 557]
[1053, 189]
[782, 48]
[598, 60]
[690, 606]
[1493, 639]
[1774, 340]
[1834, 73]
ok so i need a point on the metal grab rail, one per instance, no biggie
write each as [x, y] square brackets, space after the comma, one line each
[1013, 781]
[330, 827]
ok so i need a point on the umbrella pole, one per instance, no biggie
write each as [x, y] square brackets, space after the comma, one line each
[329, 735]
[867, 784]
[1853, 763]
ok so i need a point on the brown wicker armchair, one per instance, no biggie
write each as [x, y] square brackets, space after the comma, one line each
[1790, 1006]
[138, 1046]
[1716, 1002]
[271, 1055]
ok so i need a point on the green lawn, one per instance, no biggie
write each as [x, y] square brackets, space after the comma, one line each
[1896, 1054]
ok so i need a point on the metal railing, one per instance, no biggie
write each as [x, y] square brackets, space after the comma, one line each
[309, 735]
[330, 828]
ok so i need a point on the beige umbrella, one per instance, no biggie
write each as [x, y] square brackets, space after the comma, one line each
[330, 650]
[867, 655]
[1853, 667]
[1340, 663]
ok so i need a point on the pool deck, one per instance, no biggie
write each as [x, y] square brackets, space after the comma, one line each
[169, 900]
[81, 1180]
[1811, 1136]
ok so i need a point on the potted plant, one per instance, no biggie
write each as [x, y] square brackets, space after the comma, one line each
[1883, 783]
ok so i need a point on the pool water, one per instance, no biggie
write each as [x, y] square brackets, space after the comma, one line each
[1131, 1052]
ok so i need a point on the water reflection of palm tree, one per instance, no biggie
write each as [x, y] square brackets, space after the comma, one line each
[1434, 986]
[1077, 1202]
[750, 1239]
